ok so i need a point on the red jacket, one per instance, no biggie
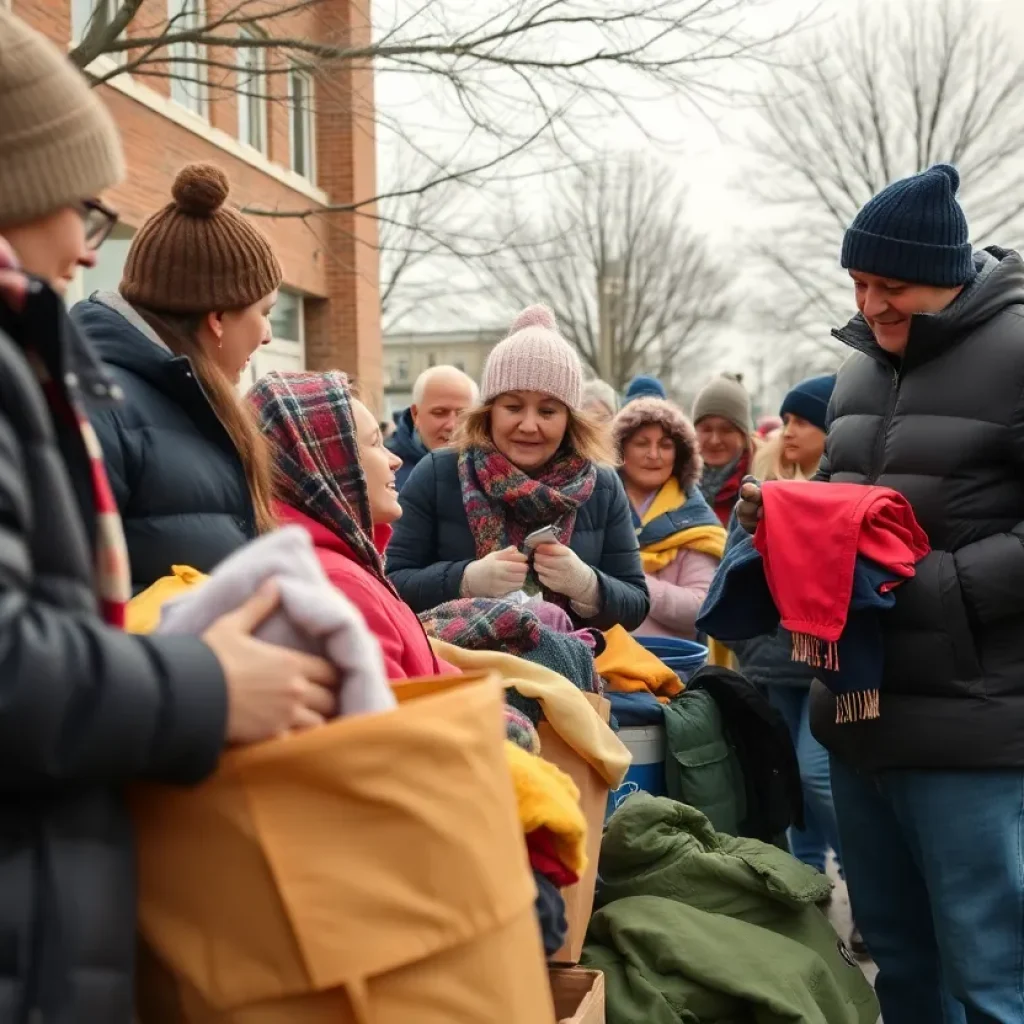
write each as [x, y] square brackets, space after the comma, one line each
[404, 644]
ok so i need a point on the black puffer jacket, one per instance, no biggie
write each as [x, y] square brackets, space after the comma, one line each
[84, 709]
[176, 474]
[945, 428]
[432, 543]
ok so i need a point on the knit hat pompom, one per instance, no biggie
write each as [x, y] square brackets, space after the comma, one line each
[534, 357]
[200, 190]
[952, 174]
[534, 316]
[642, 412]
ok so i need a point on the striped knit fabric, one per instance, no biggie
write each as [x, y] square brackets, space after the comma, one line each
[113, 576]
[308, 419]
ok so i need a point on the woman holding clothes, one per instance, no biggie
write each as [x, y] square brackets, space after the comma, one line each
[335, 478]
[526, 459]
[189, 469]
[681, 540]
[86, 709]
[794, 454]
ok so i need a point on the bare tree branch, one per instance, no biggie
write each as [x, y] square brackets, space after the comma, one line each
[620, 226]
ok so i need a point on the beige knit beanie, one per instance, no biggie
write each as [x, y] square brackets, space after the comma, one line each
[58, 143]
[199, 255]
[534, 357]
[725, 396]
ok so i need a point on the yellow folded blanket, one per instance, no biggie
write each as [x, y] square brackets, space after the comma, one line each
[565, 707]
[143, 612]
[629, 667]
[548, 798]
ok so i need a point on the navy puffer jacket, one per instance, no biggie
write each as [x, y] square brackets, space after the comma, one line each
[174, 470]
[432, 543]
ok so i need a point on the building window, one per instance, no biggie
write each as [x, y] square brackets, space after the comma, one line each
[402, 370]
[86, 13]
[286, 318]
[188, 75]
[252, 94]
[287, 350]
[301, 124]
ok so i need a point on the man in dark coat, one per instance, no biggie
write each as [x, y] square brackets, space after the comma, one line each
[930, 795]
[86, 709]
[440, 396]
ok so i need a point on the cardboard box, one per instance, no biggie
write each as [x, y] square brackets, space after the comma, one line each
[579, 898]
[578, 995]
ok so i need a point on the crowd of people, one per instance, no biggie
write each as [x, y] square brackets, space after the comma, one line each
[126, 450]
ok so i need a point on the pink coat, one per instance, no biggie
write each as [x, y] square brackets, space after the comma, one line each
[677, 593]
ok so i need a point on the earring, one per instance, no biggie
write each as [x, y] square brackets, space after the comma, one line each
[220, 343]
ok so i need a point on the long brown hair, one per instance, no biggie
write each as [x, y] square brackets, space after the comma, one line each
[180, 333]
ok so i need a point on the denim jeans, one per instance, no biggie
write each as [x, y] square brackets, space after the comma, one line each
[935, 865]
[811, 843]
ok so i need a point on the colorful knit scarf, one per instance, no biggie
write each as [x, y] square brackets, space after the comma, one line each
[112, 575]
[308, 419]
[484, 624]
[503, 504]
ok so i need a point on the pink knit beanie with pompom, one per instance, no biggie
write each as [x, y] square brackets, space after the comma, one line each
[534, 357]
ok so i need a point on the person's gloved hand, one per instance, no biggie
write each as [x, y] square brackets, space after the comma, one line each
[750, 507]
[495, 575]
[561, 571]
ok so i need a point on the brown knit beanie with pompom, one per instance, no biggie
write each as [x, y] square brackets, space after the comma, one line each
[198, 255]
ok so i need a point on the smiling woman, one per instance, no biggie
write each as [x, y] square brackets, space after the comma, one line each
[527, 458]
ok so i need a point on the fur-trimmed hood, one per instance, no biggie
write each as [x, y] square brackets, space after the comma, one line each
[643, 411]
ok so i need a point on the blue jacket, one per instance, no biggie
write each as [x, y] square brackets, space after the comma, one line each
[432, 543]
[767, 660]
[406, 444]
[175, 473]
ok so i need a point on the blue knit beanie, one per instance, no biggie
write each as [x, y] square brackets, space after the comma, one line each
[644, 387]
[913, 231]
[809, 400]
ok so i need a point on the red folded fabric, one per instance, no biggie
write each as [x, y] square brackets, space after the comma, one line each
[809, 538]
[541, 846]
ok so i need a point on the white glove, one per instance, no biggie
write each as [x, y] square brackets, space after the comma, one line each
[495, 575]
[561, 571]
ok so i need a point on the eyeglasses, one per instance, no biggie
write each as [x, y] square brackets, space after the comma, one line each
[99, 221]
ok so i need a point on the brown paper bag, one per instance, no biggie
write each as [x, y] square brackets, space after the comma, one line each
[372, 870]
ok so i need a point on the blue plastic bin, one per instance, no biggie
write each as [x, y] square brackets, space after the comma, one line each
[684, 657]
[647, 772]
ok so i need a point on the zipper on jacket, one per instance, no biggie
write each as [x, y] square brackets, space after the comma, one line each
[894, 394]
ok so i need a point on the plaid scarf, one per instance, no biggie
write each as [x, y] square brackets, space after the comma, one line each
[484, 624]
[308, 419]
[503, 504]
[112, 572]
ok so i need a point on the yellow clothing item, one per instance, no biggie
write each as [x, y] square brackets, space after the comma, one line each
[565, 707]
[708, 539]
[143, 612]
[720, 655]
[629, 667]
[548, 798]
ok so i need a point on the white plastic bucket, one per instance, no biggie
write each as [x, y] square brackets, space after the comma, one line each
[647, 772]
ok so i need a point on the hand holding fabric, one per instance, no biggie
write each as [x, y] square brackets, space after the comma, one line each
[495, 575]
[561, 571]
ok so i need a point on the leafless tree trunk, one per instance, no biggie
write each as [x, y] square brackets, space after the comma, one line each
[886, 91]
[634, 286]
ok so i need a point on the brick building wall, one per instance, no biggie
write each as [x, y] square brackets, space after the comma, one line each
[329, 258]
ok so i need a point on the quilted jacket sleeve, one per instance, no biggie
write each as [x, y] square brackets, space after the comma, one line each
[625, 599]
[412, 565]
[82, 703]
[991, 571]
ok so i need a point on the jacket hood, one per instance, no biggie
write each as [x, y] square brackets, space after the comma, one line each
[405, 442]
[642, 412]
[998, 284]
[121, 338]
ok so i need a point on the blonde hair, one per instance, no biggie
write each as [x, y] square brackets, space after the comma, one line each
[583, 434]
[770, 464]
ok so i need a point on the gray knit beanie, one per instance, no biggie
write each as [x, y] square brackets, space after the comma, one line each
[58, 143]
[598, 390]
[725, 396]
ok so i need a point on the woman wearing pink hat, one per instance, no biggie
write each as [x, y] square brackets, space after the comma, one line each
[527, 458]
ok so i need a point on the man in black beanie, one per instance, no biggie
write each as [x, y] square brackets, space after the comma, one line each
[930, 795]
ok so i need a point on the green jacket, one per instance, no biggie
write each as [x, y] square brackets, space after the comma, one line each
[697, 926]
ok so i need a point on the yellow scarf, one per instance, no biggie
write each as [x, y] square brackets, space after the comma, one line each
[708, 540]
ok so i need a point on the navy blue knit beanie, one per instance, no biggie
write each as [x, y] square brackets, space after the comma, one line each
[809, 399]
[913, 231]
[644, 387]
